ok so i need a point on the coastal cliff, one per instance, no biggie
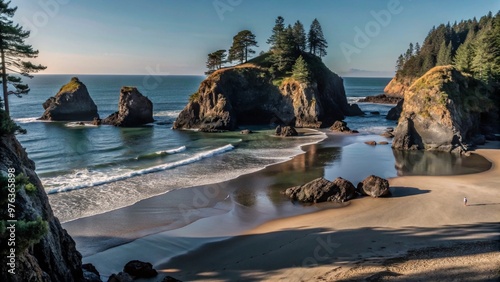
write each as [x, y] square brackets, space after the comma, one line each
[398, 86]
[43, 250]
[443, 111]
[248, 94]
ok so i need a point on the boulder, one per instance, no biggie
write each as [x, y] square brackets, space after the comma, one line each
[90, 273]
[71, 103]
[340, 126]
[395, 112]
[375, 113]
[246, 131]
[387, 134]
[245, 94]
[139, 269]
[355, 110]
[383, 143]
[134, 109]
[374, 186]
[286, 131]
[170, 279]
[120, 277]
[97, 121]
[371, 143]
[442, 112]
[322, 190]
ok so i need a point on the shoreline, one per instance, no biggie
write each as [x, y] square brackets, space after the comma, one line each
[186, 240]
[348, 243]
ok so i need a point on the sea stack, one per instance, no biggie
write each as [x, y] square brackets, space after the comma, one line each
[71, 103]
[251, 94]
[134, 109]
[442, 112]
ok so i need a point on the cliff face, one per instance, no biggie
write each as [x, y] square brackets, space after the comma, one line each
[397, 87]
[71, 103]
[53, 257]
[246, 95]
[442, 111]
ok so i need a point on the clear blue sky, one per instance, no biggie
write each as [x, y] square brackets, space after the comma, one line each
[174, 36]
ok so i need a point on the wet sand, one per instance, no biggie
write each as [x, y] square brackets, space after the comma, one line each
[425, 211]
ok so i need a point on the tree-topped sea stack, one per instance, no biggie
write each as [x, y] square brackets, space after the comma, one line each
[442, 111]
[134, 109]
[71, 103]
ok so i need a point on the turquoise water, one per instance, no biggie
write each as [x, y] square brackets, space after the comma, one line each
[88, 170]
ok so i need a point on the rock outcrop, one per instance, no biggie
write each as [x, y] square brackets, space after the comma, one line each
[355, 110]
[134, 109]
[45, 251]
[395, 112]
[398, 86]
[246, 94]
[322, 190]
[286, 131]
[442, 111]
[341, 126]
[374, 186]
[140, 269]
[71, 103]
[381, 99]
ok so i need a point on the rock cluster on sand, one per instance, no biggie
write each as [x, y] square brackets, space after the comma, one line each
[134, 109]
[442, 111]
[71, 103]
[246, 94]
[340, 190]
[322, 190]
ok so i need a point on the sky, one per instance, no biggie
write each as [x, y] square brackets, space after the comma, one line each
[173, 37]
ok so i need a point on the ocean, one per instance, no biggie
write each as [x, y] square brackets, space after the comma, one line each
[89, 170]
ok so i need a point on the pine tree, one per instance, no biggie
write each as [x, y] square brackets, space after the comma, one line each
[300, 70]
[400, 63]
[409, 52]
[278, 30]
[417, 49]
[316, 40]
[299, 35]
[13, 52]
[463, 58]
[284, 56]
[241, 48]
[444, 54]
[215, 60]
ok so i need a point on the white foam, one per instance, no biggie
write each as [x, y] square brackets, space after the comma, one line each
[172, 114]
[352, 100]
[172, 151]
[28, 120]
[101, 178]
[78, 124]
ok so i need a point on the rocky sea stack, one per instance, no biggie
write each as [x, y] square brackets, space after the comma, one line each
[443, 111]
[249, 94]
[71, 103]
[134, 109]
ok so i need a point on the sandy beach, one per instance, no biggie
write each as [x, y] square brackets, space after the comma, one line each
[358, 241]
[423, 229]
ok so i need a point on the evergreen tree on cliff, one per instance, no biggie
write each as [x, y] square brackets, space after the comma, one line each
[242, 46]
[215, 60]
[316, 40]
[13, 52]
[277, 32]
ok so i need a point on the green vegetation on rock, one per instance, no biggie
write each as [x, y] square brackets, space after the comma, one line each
[71, 86]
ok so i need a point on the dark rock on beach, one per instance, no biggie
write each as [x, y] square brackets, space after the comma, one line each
[340, 126]
[322, 190]
[170, 279]
[374, 186]
[371, 143]
[139, 269]
[286, 131]
[134, 109]
[120, 277]
[71, 103]
[90, 273]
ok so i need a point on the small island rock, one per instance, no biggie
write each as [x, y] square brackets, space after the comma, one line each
[286, 131]
[71, 103]
[134, 109]
[140, 269]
